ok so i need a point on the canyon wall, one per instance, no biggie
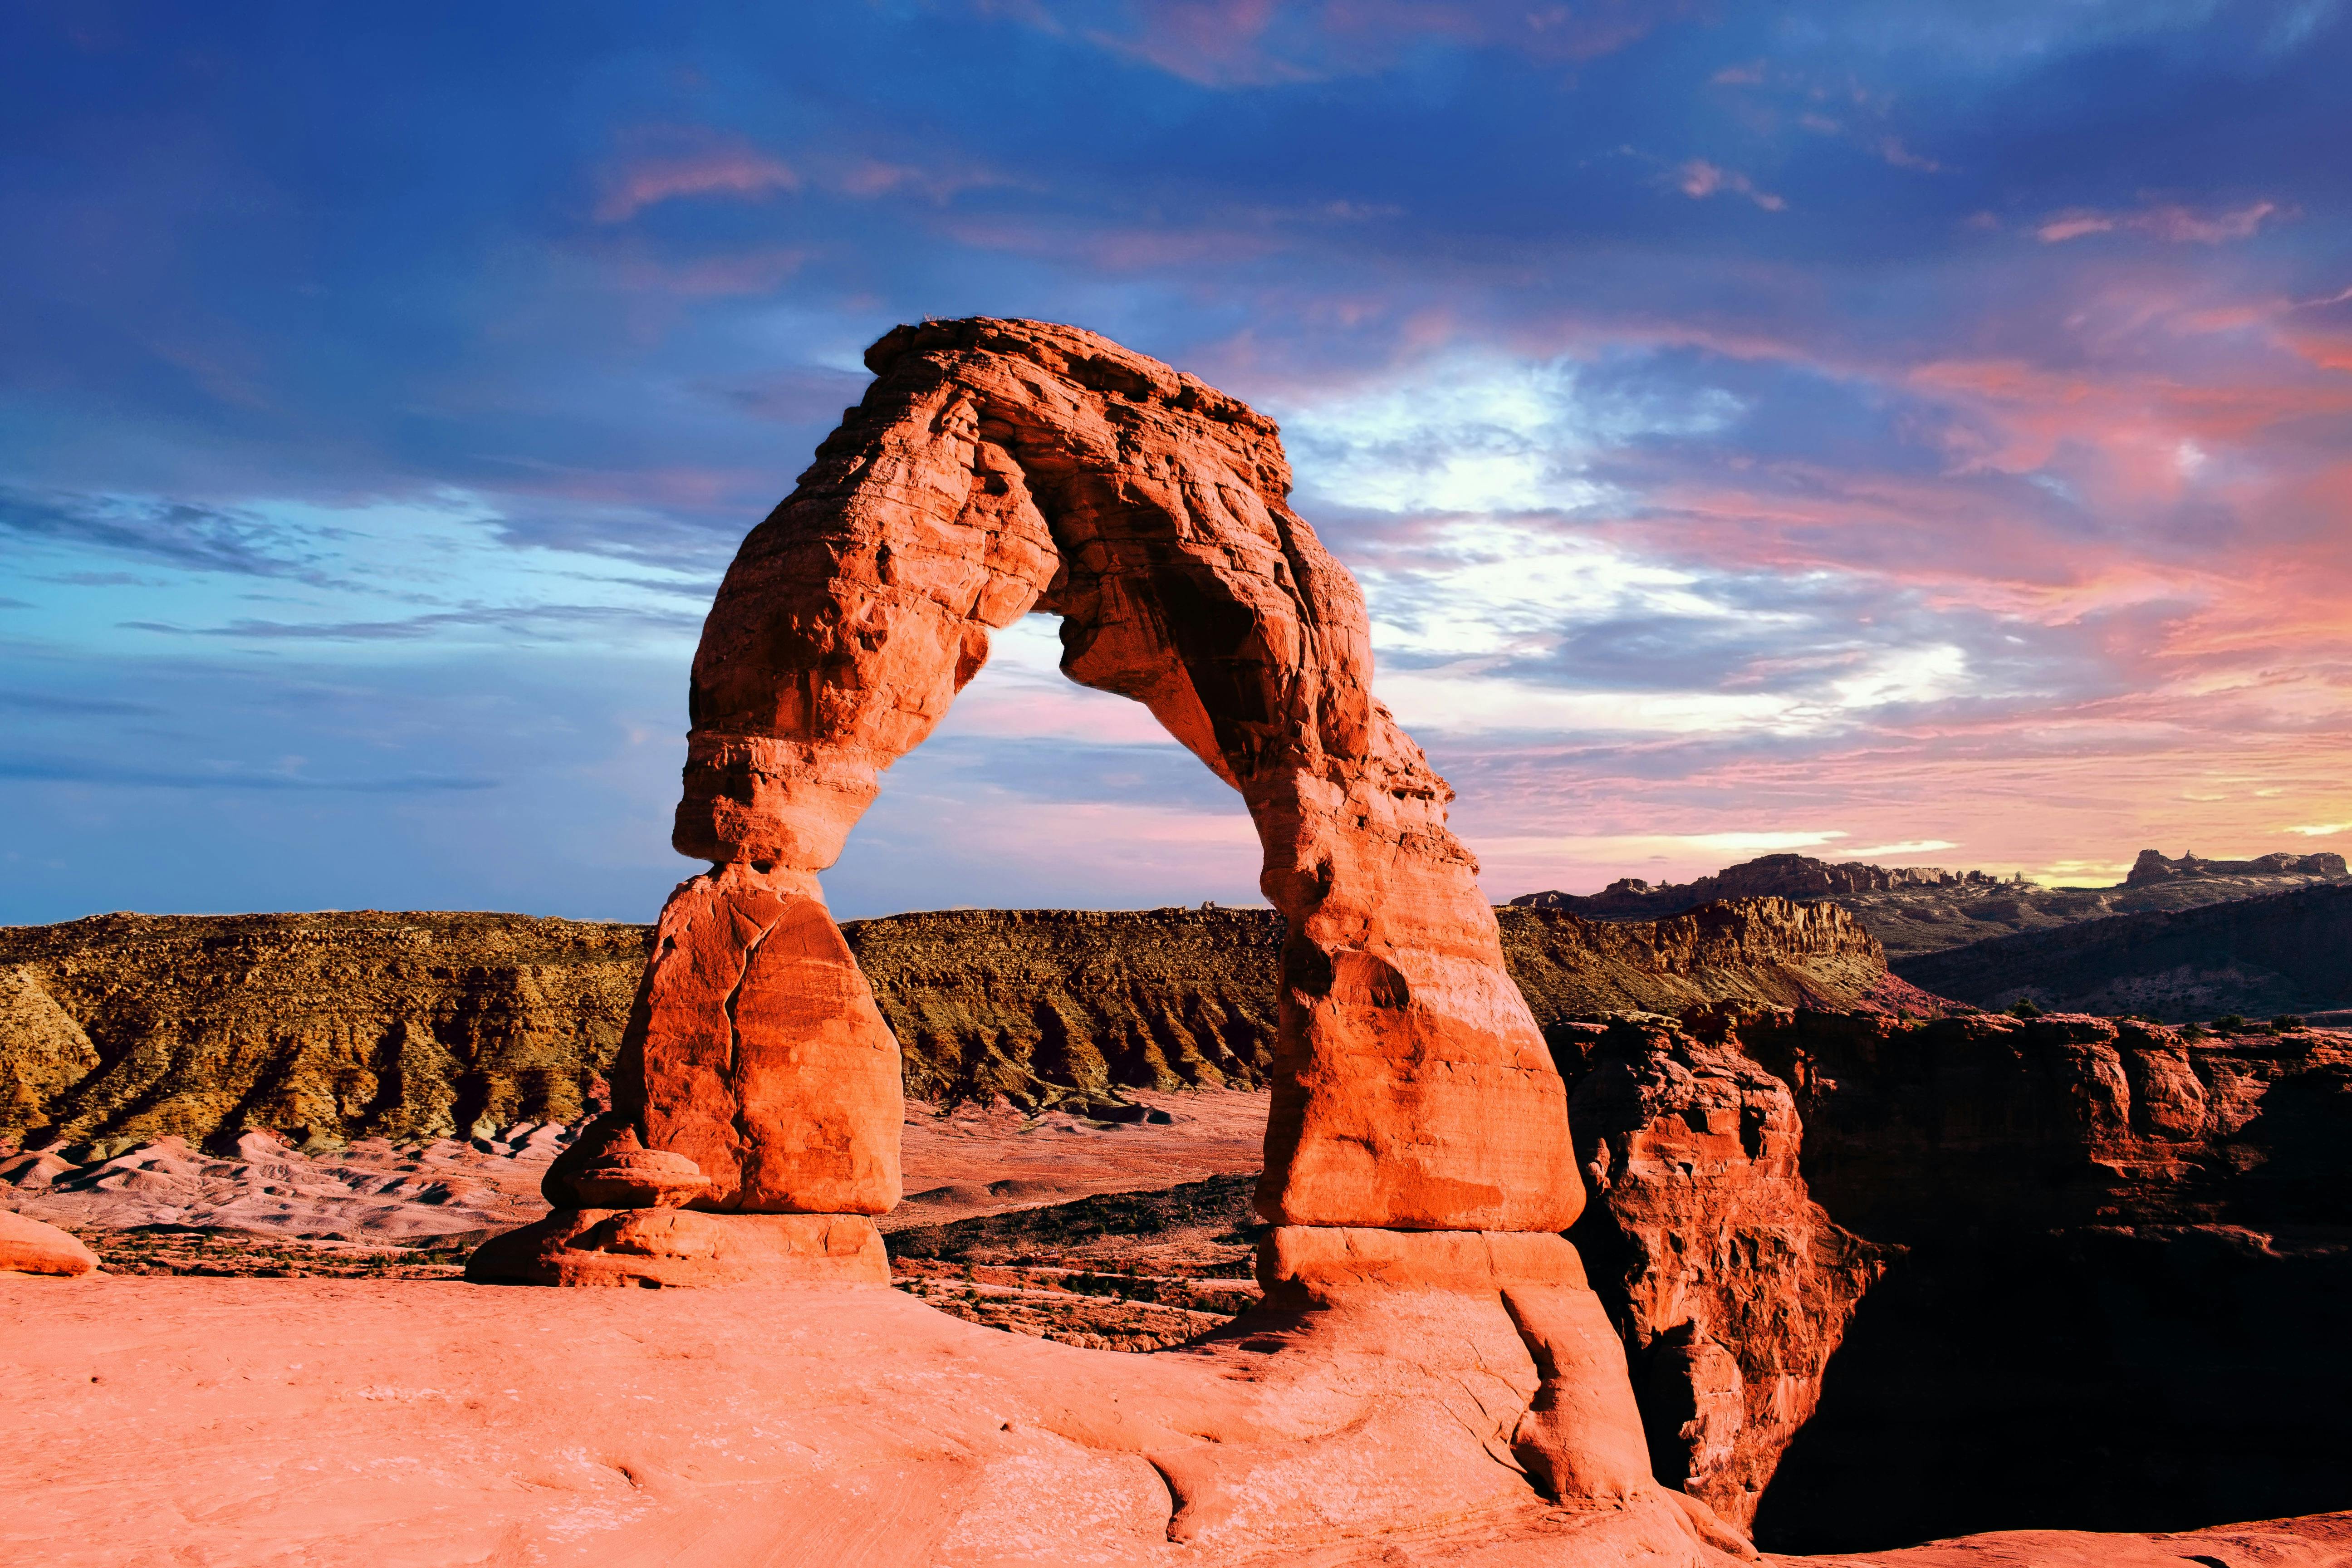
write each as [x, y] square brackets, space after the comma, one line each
[122, 1028]
[2077, 1273]
[2117, 1255]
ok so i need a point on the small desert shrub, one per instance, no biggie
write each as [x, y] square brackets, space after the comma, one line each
[2023, 1007]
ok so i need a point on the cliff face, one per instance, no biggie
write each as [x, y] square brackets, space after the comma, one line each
[1730, 1284]
[2123, 1256]
[123, 1028]
[1770, 951]
[2286, 953]
[2075, 1273]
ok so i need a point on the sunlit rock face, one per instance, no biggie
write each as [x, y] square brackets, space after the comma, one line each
[996, 468]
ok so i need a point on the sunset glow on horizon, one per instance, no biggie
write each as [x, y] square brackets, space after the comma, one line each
[1920, 434]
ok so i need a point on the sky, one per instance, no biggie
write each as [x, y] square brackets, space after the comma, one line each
[1914, 432]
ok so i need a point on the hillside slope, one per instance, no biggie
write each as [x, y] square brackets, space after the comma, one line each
[122, 1028]
[2286, 953]
[1924, 909]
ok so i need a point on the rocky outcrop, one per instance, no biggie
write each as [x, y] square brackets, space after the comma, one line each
[29, 1247]
[2282, 952]
[2152, 867]
[1731, 1287]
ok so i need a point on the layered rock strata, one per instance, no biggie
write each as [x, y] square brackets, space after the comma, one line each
[327, 1028]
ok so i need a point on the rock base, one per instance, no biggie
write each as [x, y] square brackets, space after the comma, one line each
[657, 1248]
[1304, 1265]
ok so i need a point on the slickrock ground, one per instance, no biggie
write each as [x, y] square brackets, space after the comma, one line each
[256, 1424]
[429, 1424]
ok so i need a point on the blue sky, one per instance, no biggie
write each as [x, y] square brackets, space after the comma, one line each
[1921, 431]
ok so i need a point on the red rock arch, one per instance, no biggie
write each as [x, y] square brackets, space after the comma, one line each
[998, 466]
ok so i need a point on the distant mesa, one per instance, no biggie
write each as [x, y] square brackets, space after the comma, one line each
[1771, 876]
[2152, 867]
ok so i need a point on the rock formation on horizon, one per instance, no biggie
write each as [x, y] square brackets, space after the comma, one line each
[1916, 909]
[1768, 875]
[2152, 867]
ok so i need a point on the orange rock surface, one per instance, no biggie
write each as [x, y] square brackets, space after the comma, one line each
[252, 1422]
[29, 1247]
[996, 468]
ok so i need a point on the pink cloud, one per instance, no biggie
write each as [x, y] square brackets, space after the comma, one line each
[692, 164]
[1699, 179]
[2176, 224]
[1247, 42]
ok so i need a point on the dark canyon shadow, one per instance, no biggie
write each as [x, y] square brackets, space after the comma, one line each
[2104, 1332]
[2139, 1380]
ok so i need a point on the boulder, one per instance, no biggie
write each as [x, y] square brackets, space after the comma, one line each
[28, 1247]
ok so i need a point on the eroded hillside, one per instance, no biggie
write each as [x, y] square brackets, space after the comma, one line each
[123, 1028]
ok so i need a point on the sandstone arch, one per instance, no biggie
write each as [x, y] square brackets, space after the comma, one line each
[998, 466]
[994, 467]
[1440, 1351]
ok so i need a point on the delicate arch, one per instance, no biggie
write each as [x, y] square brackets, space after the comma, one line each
[995, 467]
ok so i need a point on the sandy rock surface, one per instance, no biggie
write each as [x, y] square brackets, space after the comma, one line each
[971, 1160]
[427, 1425]
[371, 1191]
[268, 1422]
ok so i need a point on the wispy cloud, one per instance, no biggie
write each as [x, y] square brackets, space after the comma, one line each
[667, 164]
[541, 622]
[183, 534]
[2176, 224]
[1699, 179]
[228, 776]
